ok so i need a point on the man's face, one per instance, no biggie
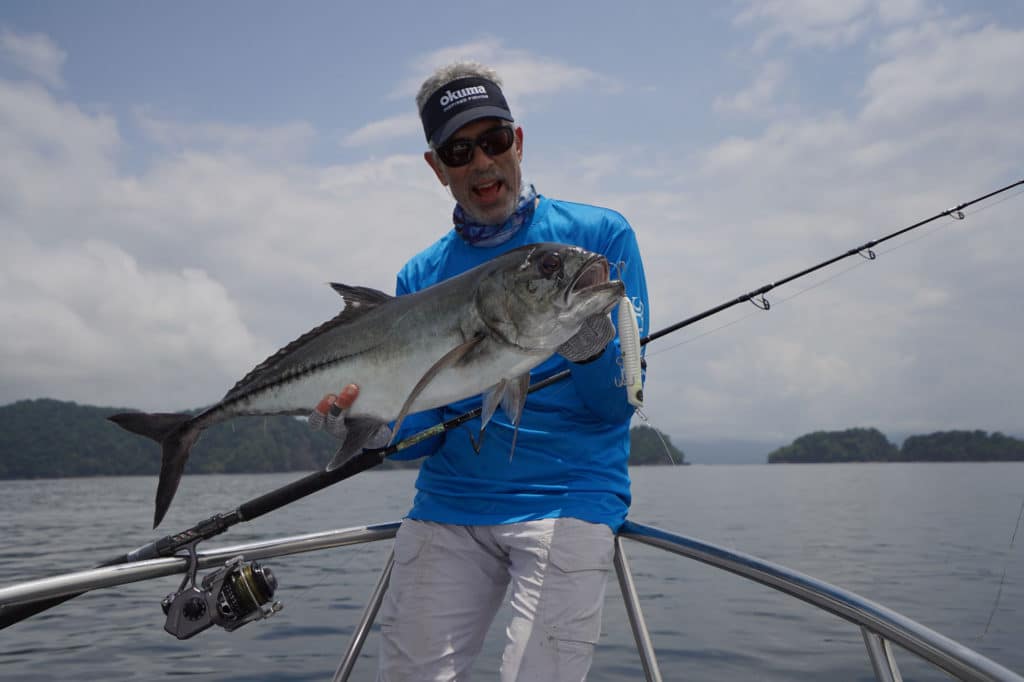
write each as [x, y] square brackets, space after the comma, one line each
[487, 187]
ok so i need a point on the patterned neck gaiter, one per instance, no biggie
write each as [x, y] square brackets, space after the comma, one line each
[492, 235]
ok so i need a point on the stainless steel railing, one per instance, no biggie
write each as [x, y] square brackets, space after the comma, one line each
[881, 627]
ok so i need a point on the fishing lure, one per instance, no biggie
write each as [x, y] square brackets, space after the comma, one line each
[632, 364]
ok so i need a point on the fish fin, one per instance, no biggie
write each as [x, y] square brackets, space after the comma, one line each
[513, 403]
[477, 442]
[176, 433]
[447, 360]
[492, 398]
[359, 431]
[358, 302]
[360, 297]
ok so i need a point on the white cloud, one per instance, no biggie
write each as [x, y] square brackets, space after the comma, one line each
[756, 99]
[893, 12]
[203, 263]
[523, 73]
[943, 66]
[54, 159]
[815, 24]
[525, 77]
[806, 23]
[403, 125]
[286, 141]
[85, 322]
[35, 53]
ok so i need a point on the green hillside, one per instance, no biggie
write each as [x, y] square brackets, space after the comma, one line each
[53, 439]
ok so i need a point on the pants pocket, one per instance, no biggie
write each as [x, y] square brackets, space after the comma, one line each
[580, 557]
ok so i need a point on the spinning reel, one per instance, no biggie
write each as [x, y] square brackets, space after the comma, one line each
[235, 594]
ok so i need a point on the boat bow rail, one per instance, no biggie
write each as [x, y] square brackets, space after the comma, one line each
[880, 627]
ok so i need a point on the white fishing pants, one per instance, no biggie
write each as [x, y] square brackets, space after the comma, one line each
[448, 582]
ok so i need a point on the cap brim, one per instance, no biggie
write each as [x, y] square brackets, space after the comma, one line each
[462, 118]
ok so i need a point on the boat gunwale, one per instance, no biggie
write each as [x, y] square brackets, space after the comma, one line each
[947, 654]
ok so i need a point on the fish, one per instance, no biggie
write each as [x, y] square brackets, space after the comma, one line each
[480, 332]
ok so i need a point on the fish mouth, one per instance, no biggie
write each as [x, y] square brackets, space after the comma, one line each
[592, 279]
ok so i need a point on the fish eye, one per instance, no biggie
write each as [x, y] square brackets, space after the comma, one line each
[550, 263]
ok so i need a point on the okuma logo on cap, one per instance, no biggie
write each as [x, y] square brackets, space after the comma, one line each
[455, 97]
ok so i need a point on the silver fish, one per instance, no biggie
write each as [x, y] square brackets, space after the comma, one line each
[479, 332]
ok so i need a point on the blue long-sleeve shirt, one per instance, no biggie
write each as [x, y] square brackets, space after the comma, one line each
[572, 451]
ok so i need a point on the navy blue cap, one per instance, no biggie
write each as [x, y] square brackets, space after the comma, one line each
[459, 102]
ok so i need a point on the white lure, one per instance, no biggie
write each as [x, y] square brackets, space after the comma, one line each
[629, 343]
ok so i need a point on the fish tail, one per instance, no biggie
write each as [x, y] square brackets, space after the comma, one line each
[176, 433]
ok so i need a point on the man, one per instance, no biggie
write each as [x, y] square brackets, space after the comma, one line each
[542, 521]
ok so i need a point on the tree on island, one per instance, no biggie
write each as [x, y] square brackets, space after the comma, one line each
[851, 445]
[959, 446]
[869, 445]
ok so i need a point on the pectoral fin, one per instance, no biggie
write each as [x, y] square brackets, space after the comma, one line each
[449, 359]
[513, 403]
[492, 398]
[359, 434]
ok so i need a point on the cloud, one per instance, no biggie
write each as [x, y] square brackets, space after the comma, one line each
[525, 76]
[813, 24]
[55, 160]
[945, 64]
[403, 125]
[85, 322]
[756, 99]
[36, 54]
[286, 141]
[202, 262]
[523, 73]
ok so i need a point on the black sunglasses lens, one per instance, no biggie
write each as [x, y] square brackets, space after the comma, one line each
[496, 141]
[460, 152]
[456, 152]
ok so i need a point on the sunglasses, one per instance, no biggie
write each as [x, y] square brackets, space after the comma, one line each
[459, 151]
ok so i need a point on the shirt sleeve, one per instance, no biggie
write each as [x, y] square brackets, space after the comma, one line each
[414, 423]
[596, 381]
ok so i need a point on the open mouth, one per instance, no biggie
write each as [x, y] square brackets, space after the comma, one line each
[593, 273]
[488, 191]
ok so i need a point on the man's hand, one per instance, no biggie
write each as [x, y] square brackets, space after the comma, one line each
[329, 414]
[590, 341]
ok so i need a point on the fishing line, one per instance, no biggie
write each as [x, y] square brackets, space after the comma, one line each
[668, 452]
[955, 217]
[1002, 579]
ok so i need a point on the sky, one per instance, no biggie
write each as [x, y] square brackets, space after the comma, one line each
[179, 181]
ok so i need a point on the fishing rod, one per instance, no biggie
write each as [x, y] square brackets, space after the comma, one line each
[171, 545]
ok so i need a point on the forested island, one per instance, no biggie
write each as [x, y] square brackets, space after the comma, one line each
[53, 439]
[870, 445]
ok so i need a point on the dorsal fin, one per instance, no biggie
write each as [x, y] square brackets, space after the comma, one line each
[358, 302]
[360, 297]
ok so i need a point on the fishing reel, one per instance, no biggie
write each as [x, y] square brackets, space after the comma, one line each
[235, 594]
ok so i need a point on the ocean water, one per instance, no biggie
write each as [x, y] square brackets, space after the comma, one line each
[932, 541]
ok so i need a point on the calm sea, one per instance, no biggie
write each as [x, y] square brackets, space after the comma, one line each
[932, 541]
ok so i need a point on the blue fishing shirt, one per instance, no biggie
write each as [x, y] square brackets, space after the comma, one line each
[572, 451]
